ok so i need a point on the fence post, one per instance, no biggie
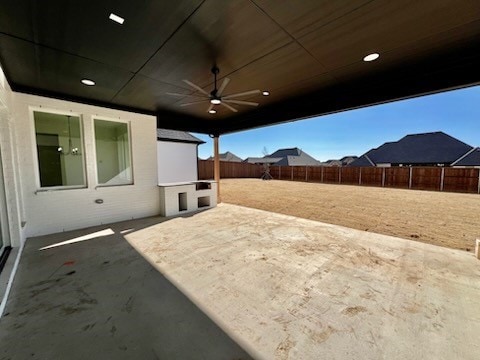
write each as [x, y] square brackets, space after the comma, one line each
[291, 168]
[306, 173]
[478, 191]
[321, 176]
[339, 174]
[360, 177]
[442, 178]
[410, 177]
[383, 177]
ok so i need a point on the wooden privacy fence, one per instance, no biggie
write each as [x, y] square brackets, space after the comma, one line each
[418, 178]
[229, 169]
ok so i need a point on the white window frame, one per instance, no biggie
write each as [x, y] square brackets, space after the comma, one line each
[94, 142]
[32, 110]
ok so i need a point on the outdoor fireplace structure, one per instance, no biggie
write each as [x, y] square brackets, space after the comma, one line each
[180, 192]
[182, 198]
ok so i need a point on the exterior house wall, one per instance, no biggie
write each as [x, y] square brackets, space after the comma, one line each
[177, 162]
[49, 211]
[13, 215]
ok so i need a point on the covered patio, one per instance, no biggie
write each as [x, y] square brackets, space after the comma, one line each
[231, 282]
[234, 282]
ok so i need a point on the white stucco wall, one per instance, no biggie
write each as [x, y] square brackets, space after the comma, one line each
[177, 162]
[60, 210]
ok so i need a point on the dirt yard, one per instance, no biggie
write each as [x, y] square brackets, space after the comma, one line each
[444, 219]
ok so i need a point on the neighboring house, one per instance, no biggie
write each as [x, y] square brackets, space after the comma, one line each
[347, 160]
[286, 157]
[470, 159]
[333, 163]
[177, 153]
[426, 149]
[227, 156]
[294, 157]
[262, 160]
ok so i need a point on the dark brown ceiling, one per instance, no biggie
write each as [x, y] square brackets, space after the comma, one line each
[307, 53]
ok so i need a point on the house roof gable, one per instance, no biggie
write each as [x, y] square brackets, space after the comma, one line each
[424, 148]
[177, 136]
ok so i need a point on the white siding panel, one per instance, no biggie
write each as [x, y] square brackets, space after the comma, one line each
[177, 162]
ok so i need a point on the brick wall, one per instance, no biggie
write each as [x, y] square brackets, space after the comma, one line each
[60, 210]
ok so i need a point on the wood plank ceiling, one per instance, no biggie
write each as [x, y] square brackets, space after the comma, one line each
[307, 53]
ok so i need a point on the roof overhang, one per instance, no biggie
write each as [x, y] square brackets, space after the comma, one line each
[308, 54]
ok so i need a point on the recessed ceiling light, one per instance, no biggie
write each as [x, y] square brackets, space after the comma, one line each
[371, 57]
[215, 101]
[88, 82]
[265, 93]
[116, 18]
[212, 111]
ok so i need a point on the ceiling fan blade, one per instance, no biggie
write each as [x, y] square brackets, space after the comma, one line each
[229, 107]
[210, 108]
[223, 86]
[241, 102]
[251, 92]
[194, 102]
[183, 95]
[198, 88]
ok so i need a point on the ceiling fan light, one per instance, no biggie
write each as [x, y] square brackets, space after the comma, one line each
[212, 111]
[265, 93]
[215, 101]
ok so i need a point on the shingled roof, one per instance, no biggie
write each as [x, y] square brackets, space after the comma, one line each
[293, 157]
[472, 158]
[177, 136]
[227, 156]
[416, 149]
[262, 160]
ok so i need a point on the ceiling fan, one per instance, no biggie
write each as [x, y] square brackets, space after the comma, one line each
[216, 97]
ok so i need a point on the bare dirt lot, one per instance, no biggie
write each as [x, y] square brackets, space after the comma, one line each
[444, 219]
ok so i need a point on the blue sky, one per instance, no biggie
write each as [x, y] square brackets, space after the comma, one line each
[354, 132]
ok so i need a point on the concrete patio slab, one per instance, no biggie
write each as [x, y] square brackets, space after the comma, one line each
[289, 288]
[88, 294]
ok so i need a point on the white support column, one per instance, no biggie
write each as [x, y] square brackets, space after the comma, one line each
[216, 166]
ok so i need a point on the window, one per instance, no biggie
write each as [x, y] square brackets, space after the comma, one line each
[60, 152]
[112, 143]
